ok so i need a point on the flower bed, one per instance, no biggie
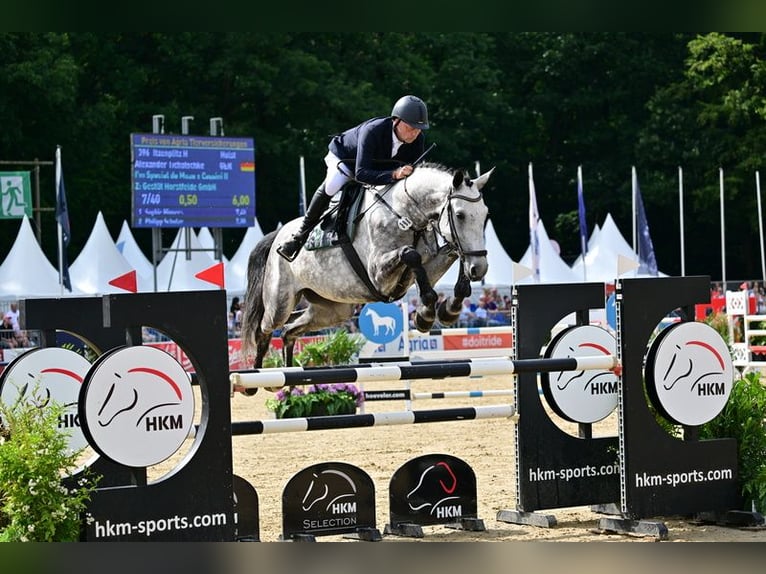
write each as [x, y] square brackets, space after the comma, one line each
[317, 400]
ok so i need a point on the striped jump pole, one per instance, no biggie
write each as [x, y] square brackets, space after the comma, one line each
[195, 378]
[273, 426]
[436, 370]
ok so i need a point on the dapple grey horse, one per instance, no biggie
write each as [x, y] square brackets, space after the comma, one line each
[410, 231]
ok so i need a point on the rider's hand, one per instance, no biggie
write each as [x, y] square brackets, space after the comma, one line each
[403, 172]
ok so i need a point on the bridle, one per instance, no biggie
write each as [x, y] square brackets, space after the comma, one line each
[456, 244]
[433, 224]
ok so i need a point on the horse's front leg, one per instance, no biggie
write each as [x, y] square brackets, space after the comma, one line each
[425, 314]
[449, 309]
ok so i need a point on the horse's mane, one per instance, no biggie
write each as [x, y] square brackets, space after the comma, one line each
[437, 166]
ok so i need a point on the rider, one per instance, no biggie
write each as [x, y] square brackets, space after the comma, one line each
[367, 146]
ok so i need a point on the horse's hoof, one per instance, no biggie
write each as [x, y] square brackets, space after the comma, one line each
[249, 392]
[445, 317]
[423, 325]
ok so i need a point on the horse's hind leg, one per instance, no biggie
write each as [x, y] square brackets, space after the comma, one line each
[320, 314]
[262, 349]
[263, 340]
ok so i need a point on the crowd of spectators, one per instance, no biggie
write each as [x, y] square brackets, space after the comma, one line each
[489, 309]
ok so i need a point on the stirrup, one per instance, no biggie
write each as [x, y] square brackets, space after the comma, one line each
[290, 256]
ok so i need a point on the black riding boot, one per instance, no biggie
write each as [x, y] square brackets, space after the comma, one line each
[290, 248]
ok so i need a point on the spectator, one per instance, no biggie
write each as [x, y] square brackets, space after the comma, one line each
[760, 298]
[7, 334]
[467, 314]
[234, 318]
[12, 315]
[481, 314]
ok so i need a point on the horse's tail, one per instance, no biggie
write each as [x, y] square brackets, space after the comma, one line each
[254, 307]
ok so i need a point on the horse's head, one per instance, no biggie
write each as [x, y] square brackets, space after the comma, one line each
[462, 223]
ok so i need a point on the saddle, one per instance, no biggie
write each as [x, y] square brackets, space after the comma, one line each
[338, 224]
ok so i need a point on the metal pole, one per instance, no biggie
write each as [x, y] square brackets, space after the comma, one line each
[760, 223]
[723, 231]
[681, 217]
[37, 201]
[634, 185]
[158, 127]
[216, 129]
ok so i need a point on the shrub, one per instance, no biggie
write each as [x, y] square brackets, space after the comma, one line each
[35, 504]
[744, 418]
[339, 348]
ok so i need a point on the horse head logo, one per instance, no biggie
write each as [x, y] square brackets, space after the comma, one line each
[326, 488]
[582, 396]
[436, 486]
[134, 397]
[692, 364]
[566, 378]
[690, 373]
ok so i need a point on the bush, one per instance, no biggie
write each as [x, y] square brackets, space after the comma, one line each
[319, 400]
[339, 348]
[744, 418]
[35, 505]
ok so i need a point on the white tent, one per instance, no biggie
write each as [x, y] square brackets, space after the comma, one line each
[235, 270]
[500, 271]
[127, 246]
[553, 269]
[610, 236]
[26, 271]
[207, 241]
[99, 262]
[177, 273]
[603, 254]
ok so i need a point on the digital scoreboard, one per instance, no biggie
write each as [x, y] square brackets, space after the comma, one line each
[192, 181]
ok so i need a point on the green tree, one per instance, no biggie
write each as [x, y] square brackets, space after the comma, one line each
[710, 117]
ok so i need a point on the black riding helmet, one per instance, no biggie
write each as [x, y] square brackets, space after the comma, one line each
[412, 110]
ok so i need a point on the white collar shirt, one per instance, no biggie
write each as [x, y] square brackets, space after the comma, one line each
[396, 143]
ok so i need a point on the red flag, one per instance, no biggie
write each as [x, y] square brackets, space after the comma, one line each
[212, 274]
[126, 282]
